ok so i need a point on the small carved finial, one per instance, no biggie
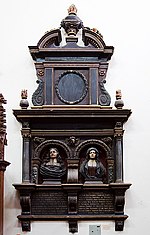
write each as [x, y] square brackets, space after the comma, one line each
[118, 94]
[119, 103]
[94, 30]
[24, 102]
[24, 94]
[72, 9]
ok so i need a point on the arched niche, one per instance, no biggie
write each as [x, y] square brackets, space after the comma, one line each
[41, 155]
[104, 154]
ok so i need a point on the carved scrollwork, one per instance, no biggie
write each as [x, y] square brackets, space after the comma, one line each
[119, 201]
[108, 141]
[25, 202]
[104, 98]
[37, 141]
[110, 171]
[38, 95]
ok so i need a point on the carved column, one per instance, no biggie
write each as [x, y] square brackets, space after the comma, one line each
[26, 153]
[118, 134]
[3, 163]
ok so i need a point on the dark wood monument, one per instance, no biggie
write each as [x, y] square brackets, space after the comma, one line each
[3, 163]
[72, 137]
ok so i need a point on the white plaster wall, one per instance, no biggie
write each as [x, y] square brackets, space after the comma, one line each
[124, 25]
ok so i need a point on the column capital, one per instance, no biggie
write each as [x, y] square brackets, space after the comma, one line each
[118, 130]
[26, 132]
[3, 165]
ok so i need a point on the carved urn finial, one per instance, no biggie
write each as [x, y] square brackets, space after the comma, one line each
[24, 102]
[119, 102]
[72, 22]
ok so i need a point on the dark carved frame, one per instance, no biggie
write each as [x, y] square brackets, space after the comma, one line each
[72, 127]
[73, 142]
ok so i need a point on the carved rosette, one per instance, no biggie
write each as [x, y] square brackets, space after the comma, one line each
[40, 73]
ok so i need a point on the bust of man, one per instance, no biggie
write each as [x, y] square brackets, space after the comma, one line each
[91, 168]
[54, 168]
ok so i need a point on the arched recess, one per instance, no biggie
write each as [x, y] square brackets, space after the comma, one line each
[52, 143]
[90, 143]
[105, 156]
[36, 160]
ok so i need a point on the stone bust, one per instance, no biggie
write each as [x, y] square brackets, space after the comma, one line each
[91, 168]
[54, 168]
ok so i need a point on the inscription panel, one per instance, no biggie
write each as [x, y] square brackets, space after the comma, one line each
[49, 203]
[95, 203]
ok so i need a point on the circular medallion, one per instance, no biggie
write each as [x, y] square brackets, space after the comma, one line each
[71, 87]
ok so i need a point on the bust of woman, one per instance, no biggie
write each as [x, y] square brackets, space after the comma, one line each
[91, 168]
[54, 168]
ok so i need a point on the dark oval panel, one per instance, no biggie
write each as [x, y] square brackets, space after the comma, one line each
[71, 87]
